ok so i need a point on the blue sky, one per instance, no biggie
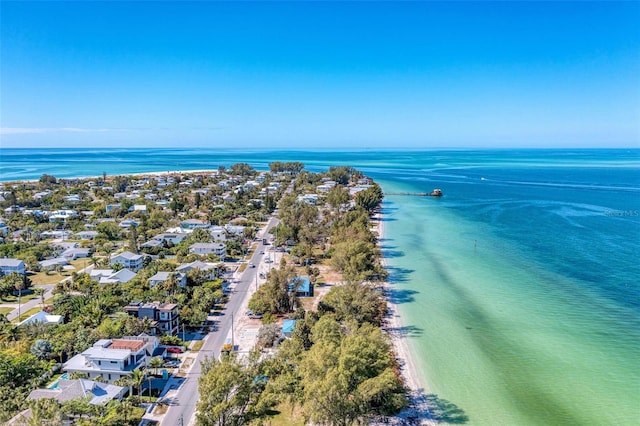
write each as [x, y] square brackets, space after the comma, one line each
[320, 75]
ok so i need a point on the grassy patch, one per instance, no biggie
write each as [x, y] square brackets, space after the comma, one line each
[197, 345]
[284, 415]
[42, 278]
[242, 267]
[81, 263]
[25, 315]
[5, 311]
[14, 299]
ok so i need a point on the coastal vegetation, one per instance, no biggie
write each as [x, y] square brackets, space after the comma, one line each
[337, 366]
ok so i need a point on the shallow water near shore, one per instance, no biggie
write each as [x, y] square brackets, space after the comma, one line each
[519, 289]
[521, 307]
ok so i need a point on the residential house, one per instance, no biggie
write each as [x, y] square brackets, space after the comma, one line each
[235, 229]
[161, 277]
[219, 249]
[142, 208]
[151, 244]
[218, 233]
[76, 253]
[302, 285]
[128, 260]
[9, 266]
[112, 359]
[51, 264]
[109, 276]
[86, 235]
[43, 317]
[62, 215]
[62, 234]
[165, 316]
[212, 268]
[310, 199]
[190, 224]
[110, 207]
[173, 237]
[95, 393]
[127, 223]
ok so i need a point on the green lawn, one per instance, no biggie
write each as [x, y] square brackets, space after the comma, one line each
[42, 278]
[5, 311]
[14, 299]
[283, 415]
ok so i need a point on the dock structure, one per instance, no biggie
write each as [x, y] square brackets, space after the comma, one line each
[434, 193]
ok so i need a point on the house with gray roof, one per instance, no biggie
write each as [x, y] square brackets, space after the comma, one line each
[128, 260]
[9, 265]
[95, 392]
[162, 276]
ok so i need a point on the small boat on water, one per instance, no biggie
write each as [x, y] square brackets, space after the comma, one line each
[436, 193]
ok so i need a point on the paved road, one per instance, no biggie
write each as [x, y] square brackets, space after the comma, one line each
[37, 301]
[183, 404]
[24, 307]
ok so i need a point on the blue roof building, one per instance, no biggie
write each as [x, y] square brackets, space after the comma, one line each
[287, 327]
[303, 286]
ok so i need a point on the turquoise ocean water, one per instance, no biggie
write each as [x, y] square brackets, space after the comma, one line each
[519, 288]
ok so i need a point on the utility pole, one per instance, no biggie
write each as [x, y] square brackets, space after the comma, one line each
[233, 344]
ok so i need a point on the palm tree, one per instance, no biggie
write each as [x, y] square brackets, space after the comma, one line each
[125, 382]
[155, 363]
[137, 378]
[40, 292]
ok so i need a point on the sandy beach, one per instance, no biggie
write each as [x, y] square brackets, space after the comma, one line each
[418, 411]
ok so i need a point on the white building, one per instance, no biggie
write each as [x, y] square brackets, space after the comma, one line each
[112, 359]
[219, 249]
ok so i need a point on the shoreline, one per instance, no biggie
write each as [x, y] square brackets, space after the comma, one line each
[136, 174]
[418, 411]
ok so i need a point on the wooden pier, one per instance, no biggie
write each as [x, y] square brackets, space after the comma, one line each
[434, 193]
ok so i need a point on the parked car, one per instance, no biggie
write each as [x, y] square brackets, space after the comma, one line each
[172, 364]
[254, 315]
[175, 349]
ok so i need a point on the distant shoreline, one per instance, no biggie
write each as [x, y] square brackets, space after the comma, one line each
[135, 174]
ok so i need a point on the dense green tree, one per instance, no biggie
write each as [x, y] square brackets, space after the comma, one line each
[109, 231]
[338, 196]
[229, 390]
[370, 198]
[242, 169]
[350, 380]
[355, 301]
